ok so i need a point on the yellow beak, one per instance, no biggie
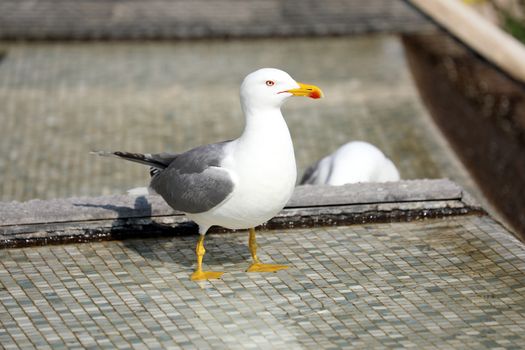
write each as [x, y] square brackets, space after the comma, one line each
[311, 91]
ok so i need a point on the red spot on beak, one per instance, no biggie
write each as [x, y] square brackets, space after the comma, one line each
[311, 91]
[314, 94]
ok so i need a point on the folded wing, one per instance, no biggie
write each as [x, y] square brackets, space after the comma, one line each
[194, 181]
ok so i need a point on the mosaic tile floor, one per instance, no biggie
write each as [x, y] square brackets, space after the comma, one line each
[457, 282]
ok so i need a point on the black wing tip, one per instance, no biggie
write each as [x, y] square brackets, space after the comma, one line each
[131, 155]
[145, 159]
[153, 171]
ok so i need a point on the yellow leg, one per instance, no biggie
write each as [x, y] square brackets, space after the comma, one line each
[199, 274]
[258, 266]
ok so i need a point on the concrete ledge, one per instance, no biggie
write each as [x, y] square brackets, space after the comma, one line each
[185, 19]
[39, 222]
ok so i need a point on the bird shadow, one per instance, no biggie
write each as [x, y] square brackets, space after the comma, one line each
[170, 244]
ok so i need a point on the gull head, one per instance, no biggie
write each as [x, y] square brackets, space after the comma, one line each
[268, 88]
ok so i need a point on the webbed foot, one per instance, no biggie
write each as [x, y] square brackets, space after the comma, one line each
[205, 275]
[260, 267]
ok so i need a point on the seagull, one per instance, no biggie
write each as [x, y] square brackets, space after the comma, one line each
[354, 162]
[236, 184]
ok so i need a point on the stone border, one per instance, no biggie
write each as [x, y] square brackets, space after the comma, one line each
[40, 222]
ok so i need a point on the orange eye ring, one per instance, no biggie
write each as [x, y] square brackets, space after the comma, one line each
[270, 83]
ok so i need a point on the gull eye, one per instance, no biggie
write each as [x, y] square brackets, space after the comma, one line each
[270, 83]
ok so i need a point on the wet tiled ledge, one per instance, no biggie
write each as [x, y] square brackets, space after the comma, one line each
[39, 222]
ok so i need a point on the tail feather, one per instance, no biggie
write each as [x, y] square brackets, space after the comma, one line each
[146, 159]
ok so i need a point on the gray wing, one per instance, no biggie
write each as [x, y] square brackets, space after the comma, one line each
[164, 158]
[194, 182]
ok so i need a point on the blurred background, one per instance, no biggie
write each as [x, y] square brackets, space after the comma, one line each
[153, 76]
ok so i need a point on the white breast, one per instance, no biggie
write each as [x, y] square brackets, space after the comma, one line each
[262, 164]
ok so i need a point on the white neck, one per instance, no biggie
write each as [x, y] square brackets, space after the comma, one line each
[266, 139]
[264, 125]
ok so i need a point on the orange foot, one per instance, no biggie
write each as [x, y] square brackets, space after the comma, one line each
[260, 267]
[205, 275]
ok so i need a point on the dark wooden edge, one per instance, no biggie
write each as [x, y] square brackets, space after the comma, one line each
[441, 29]
[122, 217]
[481, 112]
